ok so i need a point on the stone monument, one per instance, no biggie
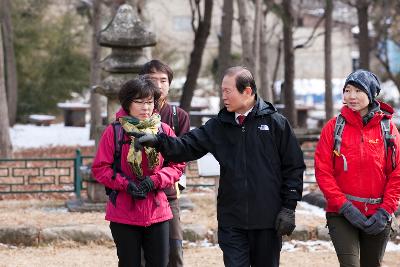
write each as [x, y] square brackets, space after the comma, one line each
[127, 37]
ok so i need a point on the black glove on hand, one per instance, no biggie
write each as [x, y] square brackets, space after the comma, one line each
[143, 139]
[134, 191]
[285, 222]
[377, 222]
[146, 185]
[353, 215]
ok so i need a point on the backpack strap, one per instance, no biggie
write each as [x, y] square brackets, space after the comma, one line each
[337, 137]
[118, 142]
[388, 138]
[116, 165]
[175, 120]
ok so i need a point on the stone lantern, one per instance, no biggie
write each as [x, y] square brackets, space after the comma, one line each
[127, 37]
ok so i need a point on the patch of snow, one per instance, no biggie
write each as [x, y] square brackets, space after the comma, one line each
[311, 245]
[41, 117]
[72, 105]
[30, 136]
[392, 246]
[306, 208]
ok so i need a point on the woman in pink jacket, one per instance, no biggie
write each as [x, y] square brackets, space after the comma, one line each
[138, 209]
[360, 179]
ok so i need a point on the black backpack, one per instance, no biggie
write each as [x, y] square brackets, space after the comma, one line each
[388, 139]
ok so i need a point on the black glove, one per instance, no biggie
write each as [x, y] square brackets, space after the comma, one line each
[134, 191]
[146, 185]
[285, 222]
[377, 222]
[143, 139]
[353, 215]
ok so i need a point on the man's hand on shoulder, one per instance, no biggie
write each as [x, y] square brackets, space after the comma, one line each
[143, 139]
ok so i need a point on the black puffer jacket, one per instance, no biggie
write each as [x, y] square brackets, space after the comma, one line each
[261, 164]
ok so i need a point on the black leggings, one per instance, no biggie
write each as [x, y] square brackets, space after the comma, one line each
[129, 239]
[353, 246]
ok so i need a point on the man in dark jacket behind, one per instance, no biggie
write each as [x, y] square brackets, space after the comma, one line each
[261, 170]
[178, 119]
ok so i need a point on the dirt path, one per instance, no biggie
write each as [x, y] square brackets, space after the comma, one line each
[72, 255]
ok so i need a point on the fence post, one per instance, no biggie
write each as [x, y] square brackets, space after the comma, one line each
[77, 173]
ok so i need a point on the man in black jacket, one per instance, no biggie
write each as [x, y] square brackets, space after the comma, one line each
[261, 170]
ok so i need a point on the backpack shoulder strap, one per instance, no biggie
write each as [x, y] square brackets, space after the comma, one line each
[388, 140]
[118, 141]
[175, 120]
[337, 134]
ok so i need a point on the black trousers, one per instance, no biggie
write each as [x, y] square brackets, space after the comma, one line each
[354, 247]
[175, 237]
[129, 240]
[243, 248]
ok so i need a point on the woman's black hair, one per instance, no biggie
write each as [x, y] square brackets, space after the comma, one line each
[138, 88]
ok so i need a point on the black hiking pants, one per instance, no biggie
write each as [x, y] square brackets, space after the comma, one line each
[243, 248]
[354, 247]
[129, 240]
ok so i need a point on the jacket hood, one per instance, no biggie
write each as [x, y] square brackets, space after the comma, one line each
[382, 110]
[260, 108]
[120, 113]
[386, 108]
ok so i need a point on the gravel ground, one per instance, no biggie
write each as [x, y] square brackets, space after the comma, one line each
[52, 212]
[72, 255]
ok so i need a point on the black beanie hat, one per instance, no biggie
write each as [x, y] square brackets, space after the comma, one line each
[366, 81]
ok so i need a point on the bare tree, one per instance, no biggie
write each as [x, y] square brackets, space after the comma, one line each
[245, 32]
[256, 39]
[386, 20]
[363, 37]
[275, 72]
[364, 41]
[288, 86]
[265, 89]
[10, 63]
[201, 33]
[5, 141]
[225, 40]
[328, 60]
[95, 70]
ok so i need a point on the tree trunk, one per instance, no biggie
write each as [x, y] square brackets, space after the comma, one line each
[200, 39]
[256, 41]
[328, 60]
[275, 97]
[10, 64]
[245, 33]
[264, 88]
[5, 141]
[225, 40]
[288, 87]
[363, 36]
[95, 70]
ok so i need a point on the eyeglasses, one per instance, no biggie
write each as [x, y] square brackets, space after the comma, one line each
[142, 103]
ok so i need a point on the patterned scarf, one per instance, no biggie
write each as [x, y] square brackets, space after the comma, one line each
[150, 125]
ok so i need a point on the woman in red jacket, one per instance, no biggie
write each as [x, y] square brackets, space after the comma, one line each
[360, 182]
[138, 209]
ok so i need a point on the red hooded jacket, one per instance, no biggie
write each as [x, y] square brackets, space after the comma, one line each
[369, 174]
[155, 207]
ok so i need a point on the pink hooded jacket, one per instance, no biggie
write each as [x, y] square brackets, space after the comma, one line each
[155, 207]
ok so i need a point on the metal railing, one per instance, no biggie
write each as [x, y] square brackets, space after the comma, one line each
[42, 175]
[52, 175]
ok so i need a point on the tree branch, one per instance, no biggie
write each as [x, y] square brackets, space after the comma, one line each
[312, 35]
